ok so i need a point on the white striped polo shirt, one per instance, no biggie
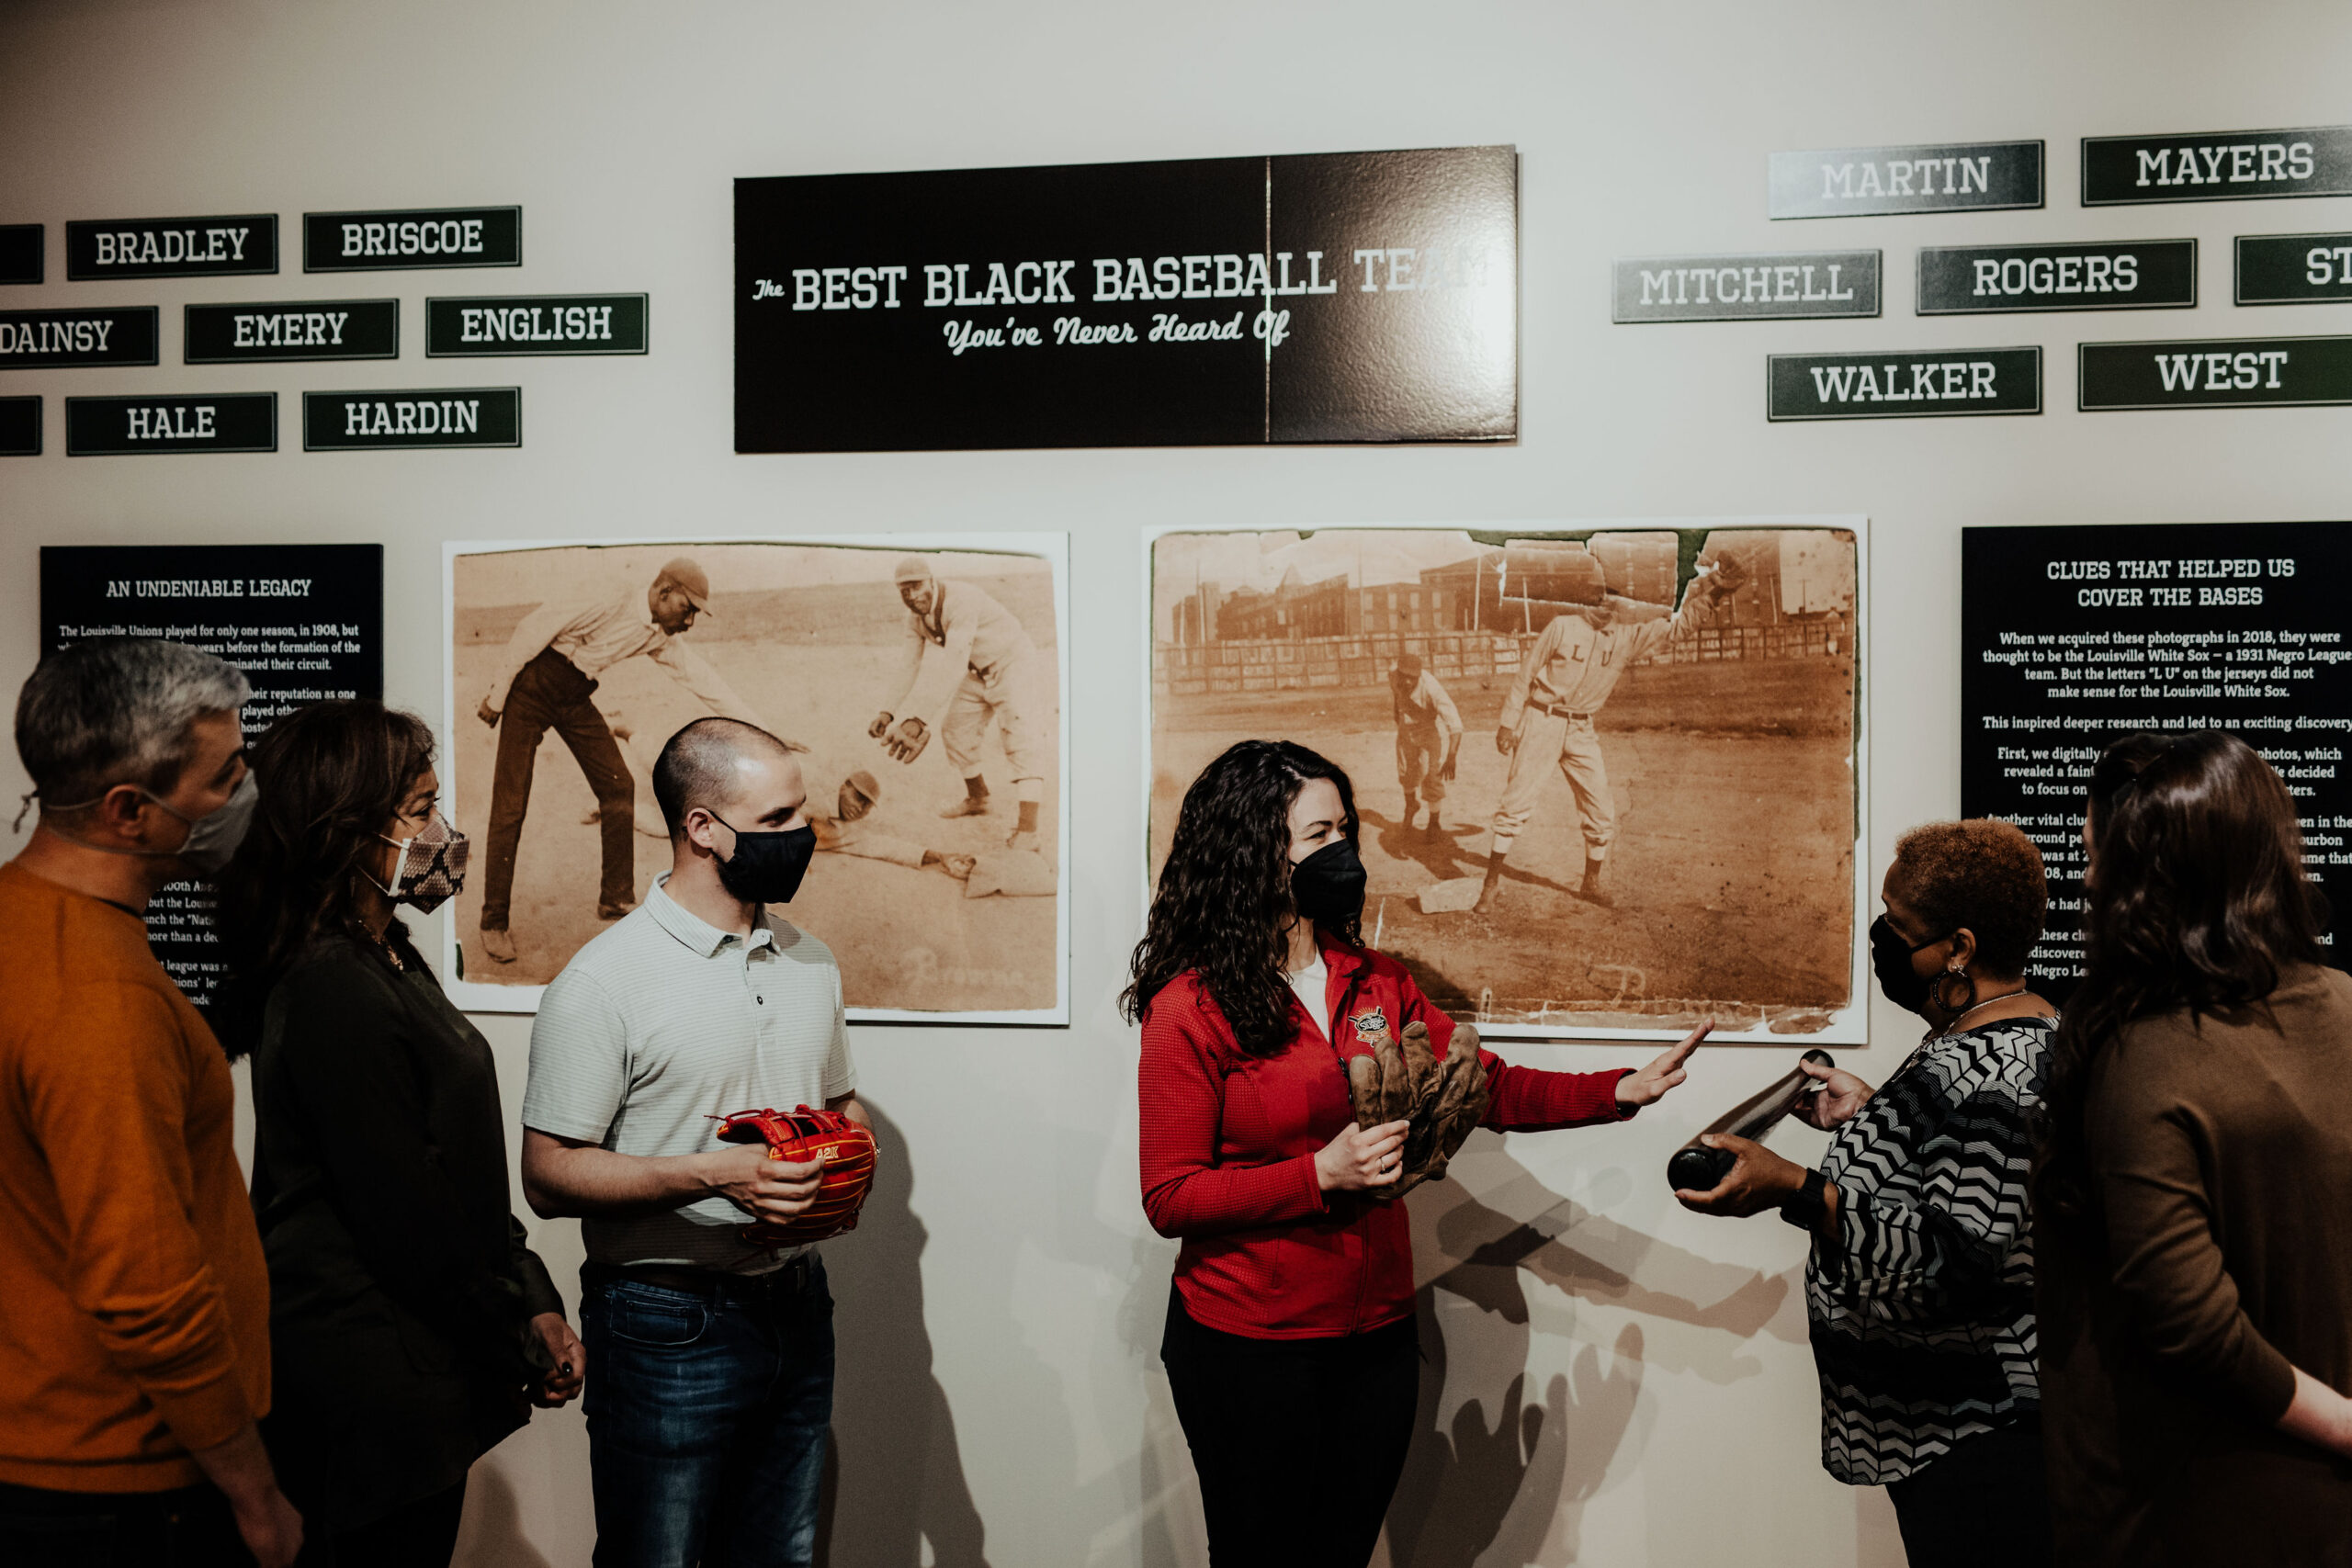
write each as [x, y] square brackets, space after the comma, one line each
[665, 1020]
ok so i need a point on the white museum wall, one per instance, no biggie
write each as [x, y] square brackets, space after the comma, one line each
[1000, 1309]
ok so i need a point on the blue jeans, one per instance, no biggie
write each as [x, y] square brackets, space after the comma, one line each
[707, 1411]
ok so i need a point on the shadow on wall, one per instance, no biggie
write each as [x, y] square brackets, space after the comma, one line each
[894, 1479]
[1512, 1478]
[494, 1529]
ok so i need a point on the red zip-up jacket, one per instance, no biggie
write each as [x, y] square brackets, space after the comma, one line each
[1228, 1145]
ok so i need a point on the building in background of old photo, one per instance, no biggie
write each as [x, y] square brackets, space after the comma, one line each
[916, 889]
[1732, 767]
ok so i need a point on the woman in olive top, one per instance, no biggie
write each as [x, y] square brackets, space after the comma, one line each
[2193, 1200]
[410, 1326]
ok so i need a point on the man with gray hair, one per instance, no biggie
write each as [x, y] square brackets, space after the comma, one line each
[547, 674]
[713, 1351]
[136, 1362]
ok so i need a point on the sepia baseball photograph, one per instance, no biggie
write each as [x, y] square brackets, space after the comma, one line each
[1608, 776]
[917, 678]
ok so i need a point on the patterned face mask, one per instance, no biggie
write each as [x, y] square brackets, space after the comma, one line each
[431, 868]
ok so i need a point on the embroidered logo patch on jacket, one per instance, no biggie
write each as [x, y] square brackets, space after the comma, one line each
[1371, 1021]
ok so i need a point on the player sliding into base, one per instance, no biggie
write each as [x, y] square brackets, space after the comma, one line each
[1576, 662]
[969, 659]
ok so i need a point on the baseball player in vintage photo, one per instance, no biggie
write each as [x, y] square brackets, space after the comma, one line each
[1429, 737]
[968, 659]
[545, 679]
[1567, 673]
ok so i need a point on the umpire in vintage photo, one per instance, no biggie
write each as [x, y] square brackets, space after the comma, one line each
[545, 681]
[968, 660]
[1576, 661]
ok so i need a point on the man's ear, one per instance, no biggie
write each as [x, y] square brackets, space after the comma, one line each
[701, 829]
[118, 811]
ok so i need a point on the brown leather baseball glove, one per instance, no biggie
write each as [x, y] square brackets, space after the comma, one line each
[1402, 1081]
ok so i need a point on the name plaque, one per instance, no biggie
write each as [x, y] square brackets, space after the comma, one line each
[21, 427]
[2293, 269]
[21, 259]
[292, 331]
[2218, 166]
[2215, 373]
[169, 422]
[1957, 176]
[428, 237]
[2129, 274]
[411, 418]
[1936, 382]
[97, 248]
[536, 324]
[73, 339]
[1771, 286]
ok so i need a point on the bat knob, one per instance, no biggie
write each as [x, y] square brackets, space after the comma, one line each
[1698, 1168]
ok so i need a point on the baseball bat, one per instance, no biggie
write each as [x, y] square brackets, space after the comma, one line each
[1697, 1168]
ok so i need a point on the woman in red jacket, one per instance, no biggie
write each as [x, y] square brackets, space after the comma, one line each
[1290, 1346]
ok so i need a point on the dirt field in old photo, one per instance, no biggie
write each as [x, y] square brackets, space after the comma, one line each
[906, 937]
[1731, 873]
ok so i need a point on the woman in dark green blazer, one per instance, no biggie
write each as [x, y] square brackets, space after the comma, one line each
[410, 1328]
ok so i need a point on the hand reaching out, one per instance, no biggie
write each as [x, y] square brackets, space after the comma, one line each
[1650, 1085]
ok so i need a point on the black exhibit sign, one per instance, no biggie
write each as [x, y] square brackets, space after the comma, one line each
[2128, 275]
[1855, 181]
[1777, 286]
[70, 340]
[2216, 165]
[412, 417]
[171, 421]
[99, 248]
[2215, 373]
[21, 257]
[1336, 297]
[295, 330]
[536, 324]
[2293, 269]
[1932, 382]
[19, 427]
[304, 621]
[441, 236]
[2072, 637]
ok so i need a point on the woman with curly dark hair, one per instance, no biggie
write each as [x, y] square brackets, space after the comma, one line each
[2193, 1198]
[410, 1328]
[1290, 1345]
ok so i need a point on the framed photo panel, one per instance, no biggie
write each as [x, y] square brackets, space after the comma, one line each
[941, 881]
[1610, 777]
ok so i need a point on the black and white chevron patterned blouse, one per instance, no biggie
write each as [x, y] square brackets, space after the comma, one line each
[1922, 1310]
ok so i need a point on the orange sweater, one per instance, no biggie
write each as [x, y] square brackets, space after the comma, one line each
[136, 1316]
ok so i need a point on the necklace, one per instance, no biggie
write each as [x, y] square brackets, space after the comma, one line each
[391, 954]
[1980, 1007]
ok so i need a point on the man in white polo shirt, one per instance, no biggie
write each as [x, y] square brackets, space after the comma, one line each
[712, 1380]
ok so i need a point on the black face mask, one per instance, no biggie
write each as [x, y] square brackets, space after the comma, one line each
[1891, 960]
[766, 868]
[1328, 885]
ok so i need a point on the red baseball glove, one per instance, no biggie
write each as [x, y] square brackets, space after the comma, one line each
[845, 1148]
